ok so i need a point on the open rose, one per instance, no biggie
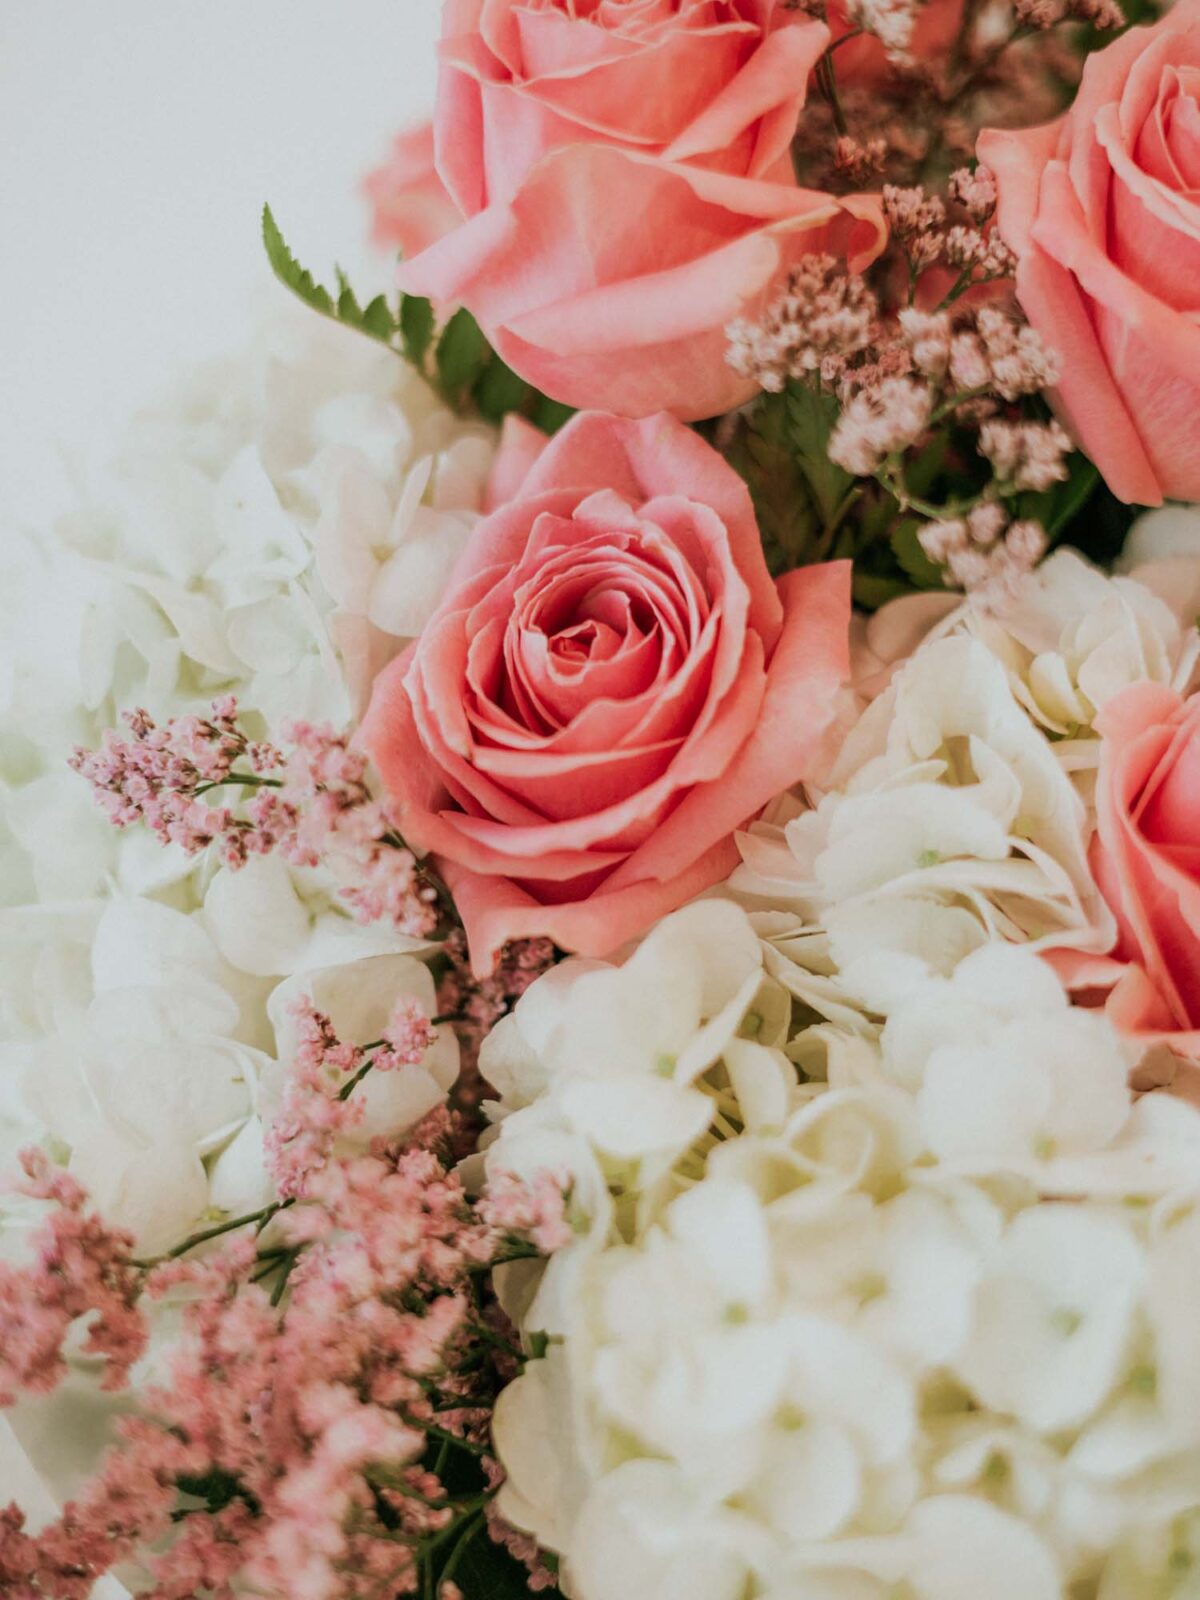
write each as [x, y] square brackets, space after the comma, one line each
[626, 169]
[410, 206]
[611, 686]
[1146, 858]
[1103, 211]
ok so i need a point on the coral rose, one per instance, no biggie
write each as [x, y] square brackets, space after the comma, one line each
[410, 206]
[611, 686]
[1103, 211]
[1146, 859]
[626, 169]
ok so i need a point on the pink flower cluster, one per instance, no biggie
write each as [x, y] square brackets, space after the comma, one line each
[985, 553]
[477, 1004]
[893, 377]
[157, 776]
[81, 1267]
[530, 1209]
[317, 1363]
[318, 1105]
[319, 808]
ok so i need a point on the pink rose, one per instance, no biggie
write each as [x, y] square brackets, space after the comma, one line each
[625, 167]
[1103, 211]
[611, 686]
[410, 206]
[1146, 859]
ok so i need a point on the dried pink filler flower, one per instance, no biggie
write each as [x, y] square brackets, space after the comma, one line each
[984, 553]
[476, 1005]
[81, 1268]
[882, 418]
[1027, 455]
[325, 1371]
[878, 390]
[531, 1210]
[824, 316]
[319, 808]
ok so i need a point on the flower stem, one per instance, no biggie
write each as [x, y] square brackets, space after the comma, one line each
[244, 780]
[261, 1218]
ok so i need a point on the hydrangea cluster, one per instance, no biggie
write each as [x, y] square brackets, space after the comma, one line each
[931, 1307]
[273, 533]
[1070, 637]
[912, 1286]
[950, 823]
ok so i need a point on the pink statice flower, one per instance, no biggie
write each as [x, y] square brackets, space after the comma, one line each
[283, 1453]
[309, 801]
[534, 1209]
[81, 1268]
[314, 1114]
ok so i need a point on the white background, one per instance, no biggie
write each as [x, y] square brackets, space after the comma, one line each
[138, 141]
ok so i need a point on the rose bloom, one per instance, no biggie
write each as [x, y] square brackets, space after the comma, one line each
[1103, 211]
[1146, 859]
[611, 686]
[626, 169]
[409, 203]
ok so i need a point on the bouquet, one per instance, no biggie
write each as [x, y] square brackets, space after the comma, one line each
[601, 853]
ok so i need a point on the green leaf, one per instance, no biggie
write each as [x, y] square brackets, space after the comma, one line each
[216, 1488]
[416, 327]
[812, 415]
[921, 471]
[1056, 508]
[461, 353]
[484, 1570]
[499, 390]
[906, 547]
[550, 415]
[289, 271]
[376, 321]
[467, 371]
[761, 452]
[872, 591]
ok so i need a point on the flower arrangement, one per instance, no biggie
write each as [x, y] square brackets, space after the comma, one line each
[600, 933]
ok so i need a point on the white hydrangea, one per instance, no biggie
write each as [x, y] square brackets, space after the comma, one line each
[276, 531]
[1070, 636]
[949, 823]
[931, 1334]
[624, 1075]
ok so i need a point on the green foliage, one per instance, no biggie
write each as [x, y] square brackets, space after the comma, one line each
[217, 1489]
[416, 321]
[811, 415]
[464, 1550]
[456, 359]
[1058, 507]
[289, 271]
[871, 590]
[483, 1569]
[1100, 525]
[802, 499]
[912, 560]
[461, 356]
[762, 452]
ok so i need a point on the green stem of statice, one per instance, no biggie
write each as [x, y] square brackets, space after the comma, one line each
[260, 1218]
[243, 780]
